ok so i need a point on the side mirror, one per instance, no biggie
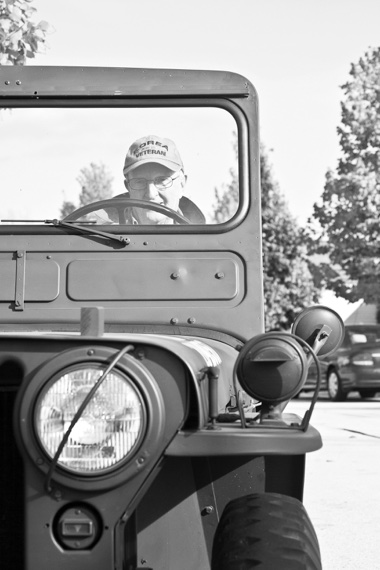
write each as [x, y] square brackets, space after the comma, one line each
[321, 327]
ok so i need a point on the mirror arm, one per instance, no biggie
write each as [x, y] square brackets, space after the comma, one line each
[320, 340]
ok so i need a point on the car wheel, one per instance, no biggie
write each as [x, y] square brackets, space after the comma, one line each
[334, 387]
[266, 530]
[367, 393]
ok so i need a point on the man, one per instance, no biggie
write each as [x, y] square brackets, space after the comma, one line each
[154, 172]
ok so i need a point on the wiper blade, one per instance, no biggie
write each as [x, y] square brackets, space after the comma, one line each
[89, 230]
[73, 225]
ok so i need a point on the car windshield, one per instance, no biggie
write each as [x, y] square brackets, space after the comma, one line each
[57, 160]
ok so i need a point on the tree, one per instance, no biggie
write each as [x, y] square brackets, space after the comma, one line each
[348, 229]
[227, 199]
[288, 283]
[20, 36]
[96, 184]
[67, 208]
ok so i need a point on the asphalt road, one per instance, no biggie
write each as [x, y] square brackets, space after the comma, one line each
[342, 482]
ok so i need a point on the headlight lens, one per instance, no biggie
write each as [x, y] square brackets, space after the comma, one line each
[109, 429]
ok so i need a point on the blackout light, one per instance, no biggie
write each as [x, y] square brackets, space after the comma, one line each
[272, 367]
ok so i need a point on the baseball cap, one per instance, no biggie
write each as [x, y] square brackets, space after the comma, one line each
[152, 149]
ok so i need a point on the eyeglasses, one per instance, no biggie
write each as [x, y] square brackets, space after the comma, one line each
[160, 182]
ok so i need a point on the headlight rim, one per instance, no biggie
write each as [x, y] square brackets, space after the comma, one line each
[147, 388]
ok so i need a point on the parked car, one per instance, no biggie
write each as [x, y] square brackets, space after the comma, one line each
[355, 366]
[311, 379]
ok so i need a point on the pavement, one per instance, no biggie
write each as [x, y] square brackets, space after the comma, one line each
[342, 482]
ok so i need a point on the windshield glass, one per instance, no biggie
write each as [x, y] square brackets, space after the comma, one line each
[58, 162]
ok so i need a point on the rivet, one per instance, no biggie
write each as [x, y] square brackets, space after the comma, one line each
[48, 257]
[18, 82]
[20, 254]
[207, 510]
[141, 460]
[91, 352]
[219, 275]
[174, 275]
[191, 320]
[173, 321]
[7, 82]
[39, 461]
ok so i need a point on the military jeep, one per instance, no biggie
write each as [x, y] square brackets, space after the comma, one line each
[143, 421]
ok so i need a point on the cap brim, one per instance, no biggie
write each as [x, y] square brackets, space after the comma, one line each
[173, 166]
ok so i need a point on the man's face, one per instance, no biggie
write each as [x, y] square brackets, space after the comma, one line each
[152, 172]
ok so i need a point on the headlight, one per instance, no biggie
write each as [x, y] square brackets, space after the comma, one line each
[109, 429]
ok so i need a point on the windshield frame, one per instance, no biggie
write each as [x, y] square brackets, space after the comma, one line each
[156, 102]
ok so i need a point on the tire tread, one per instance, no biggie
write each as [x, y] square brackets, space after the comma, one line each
[267, 531]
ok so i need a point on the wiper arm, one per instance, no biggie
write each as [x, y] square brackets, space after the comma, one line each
[86, 230]
[89, 230]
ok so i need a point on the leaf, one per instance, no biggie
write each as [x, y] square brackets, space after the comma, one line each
[17, 30]
[43, 25]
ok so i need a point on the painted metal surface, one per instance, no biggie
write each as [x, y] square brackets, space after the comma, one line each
[35, 81]
[190, 511]
[150, 277]
[258, 440]
[199, 288]
[36, 280]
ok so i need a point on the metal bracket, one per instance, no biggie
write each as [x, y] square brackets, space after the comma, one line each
[20, 280]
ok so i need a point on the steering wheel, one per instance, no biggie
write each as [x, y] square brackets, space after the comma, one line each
[120, 204]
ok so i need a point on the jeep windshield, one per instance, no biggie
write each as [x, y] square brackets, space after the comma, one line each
[134, 191]
[63, 163]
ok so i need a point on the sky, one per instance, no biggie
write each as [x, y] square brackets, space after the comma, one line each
[297, 53]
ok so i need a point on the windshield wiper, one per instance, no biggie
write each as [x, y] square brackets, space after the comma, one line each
[82, 229]
[89, 230]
